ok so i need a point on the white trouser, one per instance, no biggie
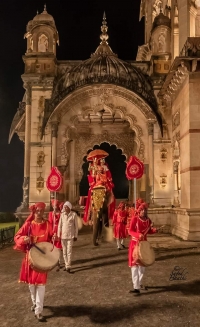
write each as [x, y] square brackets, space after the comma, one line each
[37, 297]
[120, 241]
[137, 275]
[67, 251]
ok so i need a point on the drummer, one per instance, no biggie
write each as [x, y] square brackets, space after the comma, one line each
[54, 217]
[35, 229]
[140, 226]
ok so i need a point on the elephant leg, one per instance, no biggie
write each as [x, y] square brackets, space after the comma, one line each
[96, 226]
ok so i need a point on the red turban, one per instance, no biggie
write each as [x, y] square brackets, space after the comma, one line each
[61, 205]
[40, 205]
[55, 203]
[139, 202]
[143, 206]
[121, 204]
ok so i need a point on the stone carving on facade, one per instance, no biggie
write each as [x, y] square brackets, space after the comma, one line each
[191, 48]
[54, 129]
[41, 104]
[161, 42]
[156, 8]
[65, 148]
[163, 180]
[177, 80]
[163, 154]
[25, 188]
[144, 53]
[40, 183]
[43, 43]
[126, 142]
[176, 150]
[40, 158]
[82, 95]
[176, 120]
[27, 87]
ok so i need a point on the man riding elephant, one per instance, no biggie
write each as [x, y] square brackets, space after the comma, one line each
[100, 176]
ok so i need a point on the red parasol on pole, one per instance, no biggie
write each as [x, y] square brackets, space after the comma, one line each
[98, 153]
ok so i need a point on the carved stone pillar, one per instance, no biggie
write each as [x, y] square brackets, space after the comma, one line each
[151, 160]
[54, 134]
[193, 14]
[176, 192]
[27, 87]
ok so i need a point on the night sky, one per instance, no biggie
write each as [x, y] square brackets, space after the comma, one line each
[78, 23]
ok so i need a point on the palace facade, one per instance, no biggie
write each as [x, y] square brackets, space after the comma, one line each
[149, 107]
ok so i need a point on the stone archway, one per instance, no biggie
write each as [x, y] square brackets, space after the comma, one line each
[117, 165]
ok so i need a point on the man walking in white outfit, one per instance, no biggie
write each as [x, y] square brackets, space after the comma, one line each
[68, 232]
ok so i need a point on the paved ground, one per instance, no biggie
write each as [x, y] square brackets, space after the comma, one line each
[97, 293]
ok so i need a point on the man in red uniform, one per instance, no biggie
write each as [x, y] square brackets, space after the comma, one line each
[140, 226]
[119, 223]
[35, 229]
[54, 217]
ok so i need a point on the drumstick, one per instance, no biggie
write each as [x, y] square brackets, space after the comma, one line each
[39, 249]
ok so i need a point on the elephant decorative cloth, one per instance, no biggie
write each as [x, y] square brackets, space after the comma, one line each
[100, 175]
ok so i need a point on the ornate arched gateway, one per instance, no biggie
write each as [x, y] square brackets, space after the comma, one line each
[69, 106]
[74, 105]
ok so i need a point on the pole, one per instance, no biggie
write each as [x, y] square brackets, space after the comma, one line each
[134, 181]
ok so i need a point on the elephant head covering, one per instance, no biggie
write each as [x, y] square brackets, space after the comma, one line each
[68, 204]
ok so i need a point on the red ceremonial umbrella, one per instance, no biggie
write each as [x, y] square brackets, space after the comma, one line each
[98, 153]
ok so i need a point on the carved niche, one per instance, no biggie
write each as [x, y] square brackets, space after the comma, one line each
[176, 120]
[40, 158]
[43, 43]
[163, 154]
[163, 180]
[40, 183]
[84, 142]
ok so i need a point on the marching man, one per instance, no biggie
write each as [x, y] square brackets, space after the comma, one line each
[35, 229]
[140, 226]
[68, 233]
[119, 223]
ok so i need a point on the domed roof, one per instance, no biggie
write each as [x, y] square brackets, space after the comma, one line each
[161, 19]
[44, 17]
[105, 67]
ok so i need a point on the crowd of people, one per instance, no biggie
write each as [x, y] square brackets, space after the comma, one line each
[61, 228]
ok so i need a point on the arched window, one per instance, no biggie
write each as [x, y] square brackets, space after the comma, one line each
[43, 43]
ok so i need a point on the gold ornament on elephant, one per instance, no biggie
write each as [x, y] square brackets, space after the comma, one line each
[98, 198]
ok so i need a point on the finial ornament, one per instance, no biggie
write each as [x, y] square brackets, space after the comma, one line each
[161, 7]
[104, 28]
[45, 7]
[37, 12]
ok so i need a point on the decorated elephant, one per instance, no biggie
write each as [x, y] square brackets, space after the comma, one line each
[101, 199]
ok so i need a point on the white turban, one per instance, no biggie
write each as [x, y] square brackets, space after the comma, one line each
[68, 204]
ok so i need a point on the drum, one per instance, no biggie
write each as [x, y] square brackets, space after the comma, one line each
[43, 262]
[144, 253]
[107, 233]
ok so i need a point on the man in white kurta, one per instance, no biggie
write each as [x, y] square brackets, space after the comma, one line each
[68, 232]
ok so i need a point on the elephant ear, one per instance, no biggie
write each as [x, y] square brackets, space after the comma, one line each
[98, 195]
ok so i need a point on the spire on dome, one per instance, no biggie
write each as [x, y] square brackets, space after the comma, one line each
[45, 7]
[104, 49]
[104, 28]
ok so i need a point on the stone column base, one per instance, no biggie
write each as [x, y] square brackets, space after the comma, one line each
[185, 223]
